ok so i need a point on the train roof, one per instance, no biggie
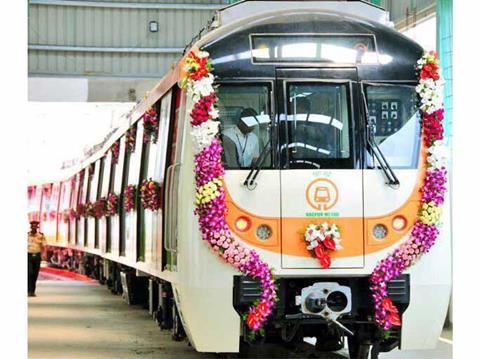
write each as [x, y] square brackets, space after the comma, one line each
[396, 54]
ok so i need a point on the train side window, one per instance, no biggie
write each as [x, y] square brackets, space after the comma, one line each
[316, 132]
[394, 111]
[245, 123]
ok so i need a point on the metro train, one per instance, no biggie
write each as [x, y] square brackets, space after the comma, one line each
[295, 79]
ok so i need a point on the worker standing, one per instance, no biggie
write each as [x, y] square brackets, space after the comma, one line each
[36, 246]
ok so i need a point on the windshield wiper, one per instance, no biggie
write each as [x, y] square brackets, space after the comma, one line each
[392, 179]
[256, 167]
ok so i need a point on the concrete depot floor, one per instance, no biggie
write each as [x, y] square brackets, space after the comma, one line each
[75, 319]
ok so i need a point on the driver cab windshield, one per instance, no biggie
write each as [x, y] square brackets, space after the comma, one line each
[316, 131]
[245, 123]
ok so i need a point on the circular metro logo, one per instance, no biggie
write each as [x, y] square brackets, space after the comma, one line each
[322, 194]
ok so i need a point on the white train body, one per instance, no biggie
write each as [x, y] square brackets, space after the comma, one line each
[166, 244]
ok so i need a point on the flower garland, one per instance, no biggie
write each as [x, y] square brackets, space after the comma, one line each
[425, 230]
[321, 239]
[100, 207]
[112, 205]
[115, 149]
[210, 192]
[73, 214]
[89, 210]
[150, 126]
[150, 194]
[80, 212]
[131, 138]
[66, 215]
[129, 194]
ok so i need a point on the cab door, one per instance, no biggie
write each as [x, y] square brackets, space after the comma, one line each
[320, 171]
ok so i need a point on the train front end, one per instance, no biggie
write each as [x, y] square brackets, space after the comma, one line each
[324, 160]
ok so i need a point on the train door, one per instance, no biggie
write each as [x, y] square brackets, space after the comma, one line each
[73, 221]
[79, 224]
[143, 216]
[157, 167]
[64, 213]
[93, 172]
[321, 176]
[100, 172]
[133, 179]
[116, 246]
[107, 183]
[170, 166]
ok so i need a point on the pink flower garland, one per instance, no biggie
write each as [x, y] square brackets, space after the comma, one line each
[211, 208]
[425, 230]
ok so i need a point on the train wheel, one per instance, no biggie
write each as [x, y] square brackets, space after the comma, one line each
[178, 334]
[358, 350]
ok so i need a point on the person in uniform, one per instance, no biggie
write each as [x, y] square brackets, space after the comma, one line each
[36, 246]
[245, 141]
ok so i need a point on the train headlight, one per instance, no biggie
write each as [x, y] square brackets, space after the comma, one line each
[243, 224]
[399, 223]
[264, 232]
[379, 231]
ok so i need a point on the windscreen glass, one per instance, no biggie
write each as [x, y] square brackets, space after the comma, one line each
[345, 49]
[316, 130]
[393, 111]
[245, 123]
